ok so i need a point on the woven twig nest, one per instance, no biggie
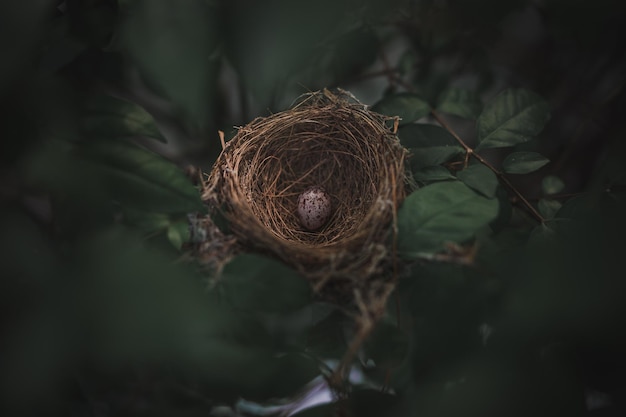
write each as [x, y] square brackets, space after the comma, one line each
[326, 140]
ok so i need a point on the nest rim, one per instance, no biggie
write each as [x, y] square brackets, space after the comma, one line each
[326, 139]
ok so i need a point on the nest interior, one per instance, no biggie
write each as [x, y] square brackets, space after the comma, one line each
[326, 139]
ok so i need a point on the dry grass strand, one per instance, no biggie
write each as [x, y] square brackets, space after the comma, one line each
[326, 139]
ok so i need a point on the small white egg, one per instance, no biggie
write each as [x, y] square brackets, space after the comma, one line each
[314, 208]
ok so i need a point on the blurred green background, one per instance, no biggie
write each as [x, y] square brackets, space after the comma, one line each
[103, 102]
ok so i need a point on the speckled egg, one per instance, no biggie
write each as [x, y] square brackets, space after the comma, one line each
[314, 208]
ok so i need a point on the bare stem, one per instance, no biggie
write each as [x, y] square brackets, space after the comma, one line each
[470, 152]
[395, 79]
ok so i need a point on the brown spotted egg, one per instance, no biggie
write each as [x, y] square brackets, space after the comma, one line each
[314, 208]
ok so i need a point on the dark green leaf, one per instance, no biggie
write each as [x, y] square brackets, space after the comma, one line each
[578, 206]
[541, 235]
[297, 44]
[145, 221]
[153, 312]
[137, 177]
[425, 135]
[523, 162]
[257, 283]
[439, 213]
[514, 116]
[429, 144]
[162, 315]
[112, 117]
[480, 178]
[387, 346]
[552, 185]
[172, 43]
[505, 212]
[431, 174]
[548, 208]
[434, 155]
[409, 107]
[178, 232]
[460, 102]
[351, 52]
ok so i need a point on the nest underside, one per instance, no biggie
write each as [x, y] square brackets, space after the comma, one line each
[328, 140]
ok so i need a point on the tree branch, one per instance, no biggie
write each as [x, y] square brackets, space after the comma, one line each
[469, 151]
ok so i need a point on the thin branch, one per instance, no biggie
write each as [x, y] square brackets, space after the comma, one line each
[469, 151]
[394, 78]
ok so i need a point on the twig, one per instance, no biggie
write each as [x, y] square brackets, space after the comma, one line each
[469, 151]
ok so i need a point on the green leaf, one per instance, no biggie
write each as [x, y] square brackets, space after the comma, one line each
[145, 221]
[178, 232]
[150, 224]
[440, 213]
[460, 102]
[112, 117]
[172, 43]
[423, 135]
[479, 178]
[548, 208]
[552, 185]
[432, 156]
[162, 315]
[430, 145]
[351, 52]
[541, 235]
[506, 211]
[257, 283]
[523, 162]
[514, 116]
[409, 107]
[298, 45]
[136, 177]
[431, 174]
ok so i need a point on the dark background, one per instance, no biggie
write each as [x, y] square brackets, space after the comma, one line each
[92, 322]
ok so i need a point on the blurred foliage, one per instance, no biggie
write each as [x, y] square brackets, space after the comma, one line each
[510, 300]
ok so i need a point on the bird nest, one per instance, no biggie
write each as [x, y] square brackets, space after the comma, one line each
[328, 140]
